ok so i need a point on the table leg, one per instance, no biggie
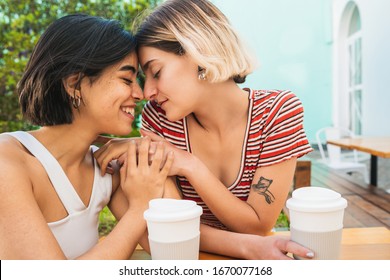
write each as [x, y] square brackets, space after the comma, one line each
[374, 170]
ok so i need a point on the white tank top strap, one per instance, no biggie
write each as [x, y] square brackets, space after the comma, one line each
[58, 178]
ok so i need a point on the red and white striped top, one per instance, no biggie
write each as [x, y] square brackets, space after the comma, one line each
[274, 133]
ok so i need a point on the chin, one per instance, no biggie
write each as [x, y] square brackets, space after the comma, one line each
[121, 132]
[174, 117]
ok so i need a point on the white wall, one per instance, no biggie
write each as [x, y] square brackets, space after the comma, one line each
[293, 43]
[375, 26]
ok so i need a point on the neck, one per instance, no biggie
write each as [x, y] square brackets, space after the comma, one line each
[67, 143]
[225, 105]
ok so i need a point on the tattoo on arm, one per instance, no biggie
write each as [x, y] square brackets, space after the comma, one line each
[262, 188]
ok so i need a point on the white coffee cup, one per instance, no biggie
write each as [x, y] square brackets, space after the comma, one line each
[173, 227]
[316, 220]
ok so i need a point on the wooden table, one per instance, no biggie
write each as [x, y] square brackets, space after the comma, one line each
[376, 146]
[372, 243]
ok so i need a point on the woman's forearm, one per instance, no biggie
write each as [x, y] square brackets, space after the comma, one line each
[122, 240]
[234, 213]
[220, 242]
[250, 246]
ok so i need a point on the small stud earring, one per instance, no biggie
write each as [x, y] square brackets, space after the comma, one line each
[202, 74]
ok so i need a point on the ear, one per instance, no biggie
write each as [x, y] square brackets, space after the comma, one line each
[71, 84]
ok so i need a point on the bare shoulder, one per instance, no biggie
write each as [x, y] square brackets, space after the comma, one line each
[24, 234]
[15, 179]
[11, 149]
[13, 161]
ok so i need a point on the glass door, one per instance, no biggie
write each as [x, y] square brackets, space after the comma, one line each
[355, 88]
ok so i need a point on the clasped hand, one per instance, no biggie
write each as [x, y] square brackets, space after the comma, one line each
[114, 149]
[141, 177]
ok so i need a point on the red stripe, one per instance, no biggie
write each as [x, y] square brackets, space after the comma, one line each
[275, 134]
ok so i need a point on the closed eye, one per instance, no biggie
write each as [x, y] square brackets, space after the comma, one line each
[127, 81]
[155, 76]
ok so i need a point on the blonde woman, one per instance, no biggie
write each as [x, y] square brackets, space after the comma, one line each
[235, 149]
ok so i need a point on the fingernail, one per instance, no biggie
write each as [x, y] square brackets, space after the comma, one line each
[310, 255]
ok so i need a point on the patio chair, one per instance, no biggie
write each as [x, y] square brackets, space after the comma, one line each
[334, 158]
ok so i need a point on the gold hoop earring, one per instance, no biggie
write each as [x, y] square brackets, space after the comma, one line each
[76, 101]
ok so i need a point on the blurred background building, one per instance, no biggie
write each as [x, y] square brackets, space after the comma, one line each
[334, 54]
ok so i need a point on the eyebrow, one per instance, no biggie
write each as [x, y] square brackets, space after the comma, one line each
[146, 65]
[128, 68]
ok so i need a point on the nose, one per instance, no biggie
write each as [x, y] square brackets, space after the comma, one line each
[137, 93]
[150, 91]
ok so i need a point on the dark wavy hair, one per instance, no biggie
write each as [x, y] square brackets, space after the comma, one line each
[75, 43]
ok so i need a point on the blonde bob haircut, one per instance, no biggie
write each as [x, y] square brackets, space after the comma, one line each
[197, 28]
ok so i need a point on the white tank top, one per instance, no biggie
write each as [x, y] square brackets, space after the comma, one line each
[78, 232]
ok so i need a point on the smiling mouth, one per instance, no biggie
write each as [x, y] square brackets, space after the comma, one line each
[161, 103]
[129, 110]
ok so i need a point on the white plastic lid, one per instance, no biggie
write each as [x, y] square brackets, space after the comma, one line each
[316, 199]
[172, 210]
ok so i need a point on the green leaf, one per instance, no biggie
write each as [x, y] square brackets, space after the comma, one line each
[21, 24]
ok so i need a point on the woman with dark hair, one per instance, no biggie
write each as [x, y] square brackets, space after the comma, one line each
[80, 82]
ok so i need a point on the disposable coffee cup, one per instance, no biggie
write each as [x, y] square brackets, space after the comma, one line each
[174, 229]
[316, 220]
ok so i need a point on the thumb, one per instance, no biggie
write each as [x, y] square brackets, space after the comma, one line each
[153, 136]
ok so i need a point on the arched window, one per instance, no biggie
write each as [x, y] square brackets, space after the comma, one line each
[355, 81]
